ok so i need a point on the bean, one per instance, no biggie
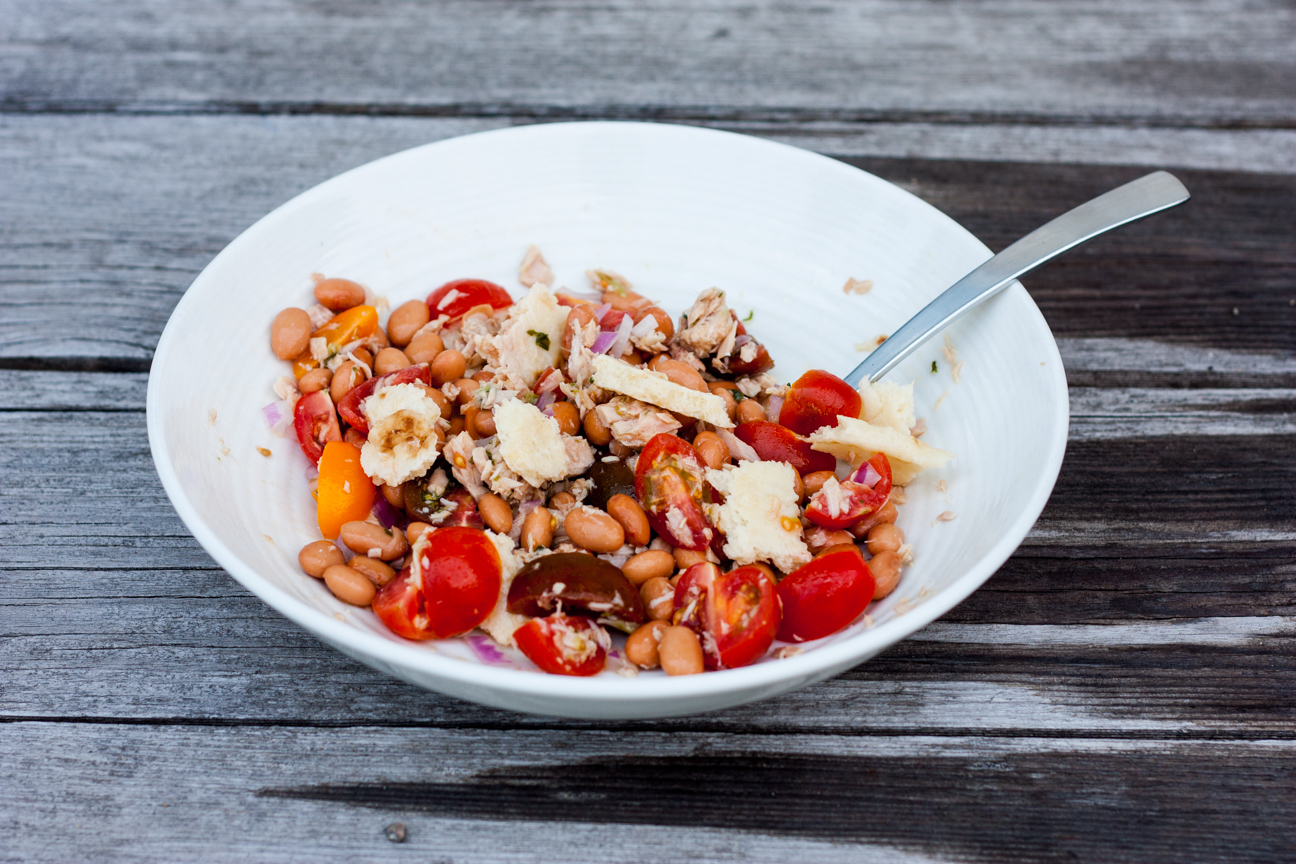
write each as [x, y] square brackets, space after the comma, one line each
[362, 355]
[621, 451]
[374, 570]
[647, 565]
[483, 376]
[726, 394]
[338, 295]
[457, 425]
[485, 424]
[537, 530]
[440, 398]
[592, 529]
[658, 598]
[496, 513]
[641, 645]
[632, 518]
[885, 538]
[577, 318]
[378, 341]
[405, 320]
[681, 373]
[346, 377]
[839, 547]
[815, 480]
[470, 412]
[664, 322]
[424, 348]
[625, 301]
[349, 585]
[562, 500]
[317, 557]
[395, 495]
[569, 422]
[416, 530]
[749, 410]
[596, 430]
[680, 651]
[448, 366]
[467, 387]
[390, 360]
[315, 380]
[885, 568]
[798, 486]
[290, 333]
[686, 558]
[368, 538]
[713, 450]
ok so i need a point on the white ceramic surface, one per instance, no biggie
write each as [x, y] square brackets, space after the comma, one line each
[676, 210]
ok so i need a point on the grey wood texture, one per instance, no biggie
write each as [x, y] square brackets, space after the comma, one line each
[1123, 689]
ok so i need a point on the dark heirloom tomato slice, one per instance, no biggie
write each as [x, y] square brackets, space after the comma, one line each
[457, 297]
[742, 616]
[865, 492]
[349, 407]
[815, 400]
[576, 581]
[669, 482]
[315, 423]
[775, 443]
[563, 644]
[824, 596]
[457, 587]
[610, 479]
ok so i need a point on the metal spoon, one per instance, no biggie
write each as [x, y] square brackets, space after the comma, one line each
[1142, 197]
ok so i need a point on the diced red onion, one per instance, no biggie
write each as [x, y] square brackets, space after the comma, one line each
[595, 296]
[603, 342]
[644, 327]
[545, 401]
[272, 415]
[387, 514]
[487, 652]
[775, 407]
[622, 343]
[738, 448]
[742, 340]
[601, 310]
[866, 475]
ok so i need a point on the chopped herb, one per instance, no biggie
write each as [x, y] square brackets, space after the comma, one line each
[738, 395]
[530, 398]
[750, 315]
[933, 367]
[542, 339]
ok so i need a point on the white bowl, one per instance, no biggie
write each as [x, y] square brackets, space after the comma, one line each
[676, 210]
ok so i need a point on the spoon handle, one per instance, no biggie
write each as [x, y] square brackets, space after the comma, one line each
[1142, 197]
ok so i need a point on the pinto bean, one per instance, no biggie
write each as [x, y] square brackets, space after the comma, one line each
[290, 333]
[634, 521]
[569, 420]
[537, 530]
[349, 585]
[681, 373]
[885, 538]
[346, 378]
[658, 596]
[680, 651]
[885, 568]
[725, 392]
[374, 570]
[368, 538]
[496, 513]
[405, 320]
[598, 432]
[750, 410]
[425, 348]
[317, 557]
[390, 360]
[641, 645]
[713, 450]
[448, 366]
[647, 565]
[592, 529]
[338, 295]
[315, 380]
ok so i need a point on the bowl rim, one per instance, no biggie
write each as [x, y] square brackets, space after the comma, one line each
[782, 675]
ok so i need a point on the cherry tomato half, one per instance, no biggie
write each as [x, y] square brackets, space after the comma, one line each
[735, 613]
[815, 400]
[315, 423]
[824, 596]
[457, 297]
[563, 644]
[864, 493]
[358, 322]
[669, 482]
[458, 585]
[775, 443]
[349, 407]
[760, 361]
[345, 493]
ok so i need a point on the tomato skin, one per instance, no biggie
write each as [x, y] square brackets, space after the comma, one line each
[824, 596]
[358, 322]
[471, 292]
[460, 574]
[743, 614]
[349, 407]
[775, 443]
[315, 423]
[541, 640]
[669, 476]
[860, 498]
[815, 400]
[345, 493]
[690, 595]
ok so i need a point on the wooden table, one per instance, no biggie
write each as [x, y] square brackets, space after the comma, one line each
[1122, 690]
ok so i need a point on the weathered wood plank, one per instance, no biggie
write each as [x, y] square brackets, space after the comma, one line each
[1221, 63]
[131, 242]
[161, 794]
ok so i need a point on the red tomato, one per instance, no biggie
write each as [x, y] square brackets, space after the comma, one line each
[865, 492]
[670, 487]
[824, 596]
[563, 644]
[316, 423]
[465, 513]
[775, 443]
[349, 407]
[690, 595]
[758, 364]
[457, 297]
[457, 587]
[815, 399]
[735, 613]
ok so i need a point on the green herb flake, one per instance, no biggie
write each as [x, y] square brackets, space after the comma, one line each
[933, 367]
[541, 339]
[750, 315]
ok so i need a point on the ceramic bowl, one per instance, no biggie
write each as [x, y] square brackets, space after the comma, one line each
[676, 210]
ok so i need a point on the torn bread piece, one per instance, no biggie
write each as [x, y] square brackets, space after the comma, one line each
[760, 516]
[534, 448]
[656, 389]
[856, 441]
[888, 404]
[402, 442]
[530, 336]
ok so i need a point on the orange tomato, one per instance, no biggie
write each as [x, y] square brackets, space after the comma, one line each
[358, 322]
[345, 492]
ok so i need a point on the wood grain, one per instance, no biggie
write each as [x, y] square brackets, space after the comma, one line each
[1225, 63]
